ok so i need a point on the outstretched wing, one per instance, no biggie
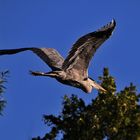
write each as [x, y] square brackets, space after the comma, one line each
[49, 55]
[85, 47]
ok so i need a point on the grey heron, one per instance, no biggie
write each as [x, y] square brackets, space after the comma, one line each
[73, 70]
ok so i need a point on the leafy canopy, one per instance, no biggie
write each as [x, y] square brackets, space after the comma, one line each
[2, 88]
[114, 115]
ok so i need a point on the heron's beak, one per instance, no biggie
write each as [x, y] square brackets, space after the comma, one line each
[97, 86]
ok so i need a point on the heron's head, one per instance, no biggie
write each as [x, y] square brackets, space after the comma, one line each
[86, 86]
[96, 85]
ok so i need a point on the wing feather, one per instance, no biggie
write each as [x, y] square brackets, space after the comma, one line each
[83, 50]
[49, 55]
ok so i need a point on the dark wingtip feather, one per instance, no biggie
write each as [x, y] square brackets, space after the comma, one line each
[113, 22]
[110, 26]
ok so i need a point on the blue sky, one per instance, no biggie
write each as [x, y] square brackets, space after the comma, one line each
[58, 24]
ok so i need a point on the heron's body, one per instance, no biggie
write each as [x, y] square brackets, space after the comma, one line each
[73, 70]
[69, 79]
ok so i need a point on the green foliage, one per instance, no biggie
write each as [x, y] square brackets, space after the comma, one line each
[2, 88]
[115, 116]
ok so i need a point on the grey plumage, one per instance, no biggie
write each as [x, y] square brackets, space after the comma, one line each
[74, 69]
[49, 55]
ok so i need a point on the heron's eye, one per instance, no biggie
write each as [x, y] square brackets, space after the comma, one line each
[85, 79]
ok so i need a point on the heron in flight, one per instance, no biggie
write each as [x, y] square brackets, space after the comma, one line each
[73, 70]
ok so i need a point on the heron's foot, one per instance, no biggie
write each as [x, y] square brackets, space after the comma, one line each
[36, 73]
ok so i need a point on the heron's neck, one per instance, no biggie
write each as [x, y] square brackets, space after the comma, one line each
[87, 85]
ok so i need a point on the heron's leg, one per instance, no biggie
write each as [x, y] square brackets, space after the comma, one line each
[50, 74]
[36, 73]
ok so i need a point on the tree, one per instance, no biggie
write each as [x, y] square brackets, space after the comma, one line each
[2, 88]
[114, 115]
